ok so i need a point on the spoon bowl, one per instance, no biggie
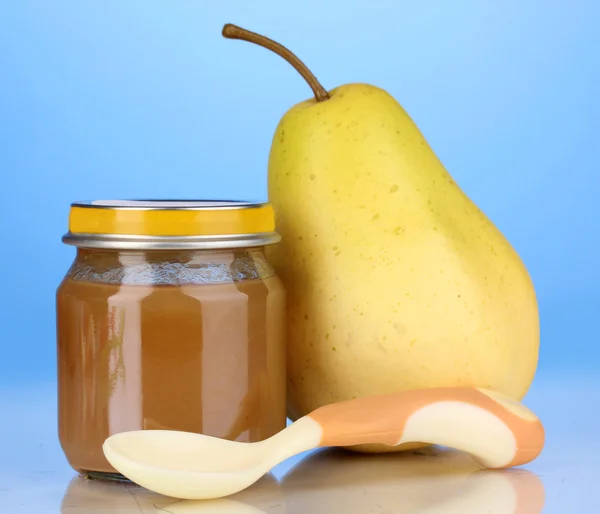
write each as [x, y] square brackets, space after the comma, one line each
[194, 466]
[174, 456]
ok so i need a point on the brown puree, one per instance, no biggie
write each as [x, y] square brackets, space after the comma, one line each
[199, 357]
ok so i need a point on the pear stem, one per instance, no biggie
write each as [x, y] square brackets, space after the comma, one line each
[234, 32]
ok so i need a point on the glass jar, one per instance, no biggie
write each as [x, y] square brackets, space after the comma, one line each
[169, 318]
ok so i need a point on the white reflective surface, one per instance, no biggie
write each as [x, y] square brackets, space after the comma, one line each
[35, 478]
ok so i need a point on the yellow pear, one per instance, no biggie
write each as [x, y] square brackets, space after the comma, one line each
[395, 278]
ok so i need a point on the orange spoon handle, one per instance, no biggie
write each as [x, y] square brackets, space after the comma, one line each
[497, 430]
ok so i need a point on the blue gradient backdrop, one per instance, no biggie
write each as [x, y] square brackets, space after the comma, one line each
[121, 99]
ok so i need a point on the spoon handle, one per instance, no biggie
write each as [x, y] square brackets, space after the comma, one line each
[496, 430]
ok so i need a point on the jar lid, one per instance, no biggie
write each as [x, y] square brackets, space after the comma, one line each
[170, 224]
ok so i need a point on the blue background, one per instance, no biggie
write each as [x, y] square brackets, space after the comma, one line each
[130, 99]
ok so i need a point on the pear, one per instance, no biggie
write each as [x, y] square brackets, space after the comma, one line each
[395, 279]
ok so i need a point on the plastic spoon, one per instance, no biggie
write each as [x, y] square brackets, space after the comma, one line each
[496, 430]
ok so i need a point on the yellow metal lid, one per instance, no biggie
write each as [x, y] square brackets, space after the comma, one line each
[176, 224]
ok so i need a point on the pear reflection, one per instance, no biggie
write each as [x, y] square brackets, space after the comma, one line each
[429, 481]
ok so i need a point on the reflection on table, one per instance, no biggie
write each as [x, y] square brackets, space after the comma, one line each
[429, 481]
